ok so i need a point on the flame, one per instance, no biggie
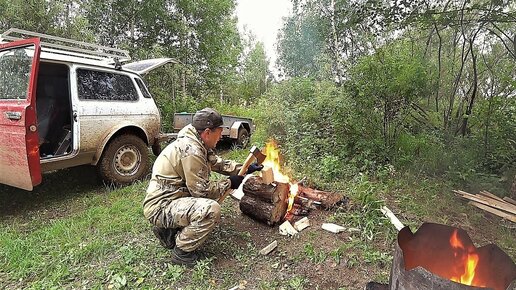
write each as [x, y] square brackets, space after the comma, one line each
[294, 188]
[469, 261]
[273, 161]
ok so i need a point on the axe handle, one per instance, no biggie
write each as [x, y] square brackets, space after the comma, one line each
[246, 164]
[241, 172]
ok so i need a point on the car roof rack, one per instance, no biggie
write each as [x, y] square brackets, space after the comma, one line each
[59, 45]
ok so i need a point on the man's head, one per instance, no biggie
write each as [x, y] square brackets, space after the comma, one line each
[209, 124]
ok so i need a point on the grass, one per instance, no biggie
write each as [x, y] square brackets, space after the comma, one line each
[72, 232]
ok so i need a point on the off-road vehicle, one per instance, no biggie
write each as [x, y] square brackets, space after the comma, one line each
[65, 103]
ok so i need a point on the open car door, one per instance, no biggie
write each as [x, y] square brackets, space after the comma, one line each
[19, 148]
[144, 66]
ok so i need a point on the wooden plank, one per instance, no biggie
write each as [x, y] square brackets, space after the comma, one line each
[488, 194]
[509, 200]
[489, 201]
[494, 211]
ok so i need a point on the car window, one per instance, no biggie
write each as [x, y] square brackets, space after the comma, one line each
[99, 85]
[15, 69]
[142, 87]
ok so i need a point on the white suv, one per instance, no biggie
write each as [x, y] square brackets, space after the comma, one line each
[65, 103]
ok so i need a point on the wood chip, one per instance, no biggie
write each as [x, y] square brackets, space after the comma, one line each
[302, 224]
[333, 228]
[286, 229]
[269, 248]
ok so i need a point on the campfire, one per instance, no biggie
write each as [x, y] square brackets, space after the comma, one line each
[442, 257]
[274, 197]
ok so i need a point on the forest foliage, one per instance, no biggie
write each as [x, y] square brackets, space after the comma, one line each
[425, 85]
[364, 85]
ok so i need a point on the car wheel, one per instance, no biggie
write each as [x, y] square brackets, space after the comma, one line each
[243, 138]
[124, 160]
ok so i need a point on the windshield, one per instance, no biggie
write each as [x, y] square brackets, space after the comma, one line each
[15, 70]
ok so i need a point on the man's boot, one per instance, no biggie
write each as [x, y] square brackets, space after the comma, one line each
[166, 237]
[180, 257]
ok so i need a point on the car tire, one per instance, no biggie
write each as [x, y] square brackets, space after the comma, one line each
[124, 160]
[243, 138]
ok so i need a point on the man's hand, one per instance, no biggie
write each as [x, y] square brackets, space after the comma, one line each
[236, 180]
[254, 167]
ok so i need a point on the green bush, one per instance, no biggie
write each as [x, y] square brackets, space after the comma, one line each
[319, 130]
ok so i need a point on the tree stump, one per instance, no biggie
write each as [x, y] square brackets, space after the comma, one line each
[264, 202]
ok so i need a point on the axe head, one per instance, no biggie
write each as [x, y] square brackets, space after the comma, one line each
[260, 157]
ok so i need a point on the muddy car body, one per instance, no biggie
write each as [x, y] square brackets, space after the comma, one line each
[63, 105]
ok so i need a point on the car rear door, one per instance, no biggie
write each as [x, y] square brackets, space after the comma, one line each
[145, 66]
[19, 148]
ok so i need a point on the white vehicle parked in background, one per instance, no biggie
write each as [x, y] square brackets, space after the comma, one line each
[65, 103]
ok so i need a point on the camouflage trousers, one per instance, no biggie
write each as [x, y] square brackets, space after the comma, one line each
[194, 216]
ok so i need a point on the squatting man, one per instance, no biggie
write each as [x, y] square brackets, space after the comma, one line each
[181, 201]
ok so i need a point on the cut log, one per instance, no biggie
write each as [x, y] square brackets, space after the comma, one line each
[494, 211]
[264, 202]
[327, 199]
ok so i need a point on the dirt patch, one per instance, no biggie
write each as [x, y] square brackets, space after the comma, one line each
[316, 259]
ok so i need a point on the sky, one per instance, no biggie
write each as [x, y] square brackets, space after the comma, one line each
[264, 19]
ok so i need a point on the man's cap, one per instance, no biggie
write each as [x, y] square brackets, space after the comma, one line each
[207, 118]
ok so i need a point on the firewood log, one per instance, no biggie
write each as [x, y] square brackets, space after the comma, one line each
[327, 199]
[264, 202]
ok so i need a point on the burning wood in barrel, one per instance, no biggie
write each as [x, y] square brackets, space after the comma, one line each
[442, 257]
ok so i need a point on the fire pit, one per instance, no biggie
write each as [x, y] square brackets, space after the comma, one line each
[443, 257]
[276, 198]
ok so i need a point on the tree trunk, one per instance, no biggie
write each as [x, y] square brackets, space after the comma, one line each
[469, 108]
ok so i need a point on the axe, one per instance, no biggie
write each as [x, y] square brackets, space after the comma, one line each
[254, 153]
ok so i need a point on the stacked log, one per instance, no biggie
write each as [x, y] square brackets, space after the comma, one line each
[268, 202]
[264, 202]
